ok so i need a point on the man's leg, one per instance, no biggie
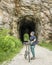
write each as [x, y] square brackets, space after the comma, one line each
[33, 51]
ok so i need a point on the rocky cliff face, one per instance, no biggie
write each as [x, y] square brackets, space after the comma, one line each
[12, 11]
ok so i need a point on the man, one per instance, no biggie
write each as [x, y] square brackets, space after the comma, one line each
[32, 45]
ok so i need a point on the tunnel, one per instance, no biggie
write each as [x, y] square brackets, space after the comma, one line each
[26, 24]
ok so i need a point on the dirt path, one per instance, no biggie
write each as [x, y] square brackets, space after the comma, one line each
[43, 57]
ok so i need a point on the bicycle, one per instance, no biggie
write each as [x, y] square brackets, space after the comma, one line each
[27, 51]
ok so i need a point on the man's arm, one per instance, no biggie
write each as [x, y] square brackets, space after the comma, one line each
[33, 41]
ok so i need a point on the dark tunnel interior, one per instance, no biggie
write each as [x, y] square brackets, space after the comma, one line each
[24, 25]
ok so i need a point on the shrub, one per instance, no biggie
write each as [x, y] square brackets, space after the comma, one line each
[9, 46]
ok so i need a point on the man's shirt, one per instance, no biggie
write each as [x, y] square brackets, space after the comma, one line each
[32, 39]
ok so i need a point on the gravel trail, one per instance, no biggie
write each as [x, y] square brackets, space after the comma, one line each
[43, 57]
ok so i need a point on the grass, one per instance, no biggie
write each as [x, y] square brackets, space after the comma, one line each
[46, 45]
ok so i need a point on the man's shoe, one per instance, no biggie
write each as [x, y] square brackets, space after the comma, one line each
[32, 58]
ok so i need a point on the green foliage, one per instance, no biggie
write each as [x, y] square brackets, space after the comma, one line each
[9, 46]
[46, 45]
[4, 32]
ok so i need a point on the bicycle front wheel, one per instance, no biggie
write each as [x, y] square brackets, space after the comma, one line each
[25, 55]
[29, 56]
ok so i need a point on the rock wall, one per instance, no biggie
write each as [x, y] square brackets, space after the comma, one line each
[12, 11]
[7, 14]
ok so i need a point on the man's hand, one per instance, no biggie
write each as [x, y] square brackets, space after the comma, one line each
[33, 41]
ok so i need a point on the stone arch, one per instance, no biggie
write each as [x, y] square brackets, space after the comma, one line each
[28, 22]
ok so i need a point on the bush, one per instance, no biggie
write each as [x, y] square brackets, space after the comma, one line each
[9, 46]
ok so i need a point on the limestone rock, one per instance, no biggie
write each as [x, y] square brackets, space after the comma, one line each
[40, 11]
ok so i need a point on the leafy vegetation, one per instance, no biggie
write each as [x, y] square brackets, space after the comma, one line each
[4, 32]
[46, 45]
[9, 45]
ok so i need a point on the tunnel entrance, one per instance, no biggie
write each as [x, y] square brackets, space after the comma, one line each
[25, 24]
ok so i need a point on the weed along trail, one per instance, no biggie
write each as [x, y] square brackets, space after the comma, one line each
[43, 57]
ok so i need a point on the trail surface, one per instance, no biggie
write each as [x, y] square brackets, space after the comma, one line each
[43, 57]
